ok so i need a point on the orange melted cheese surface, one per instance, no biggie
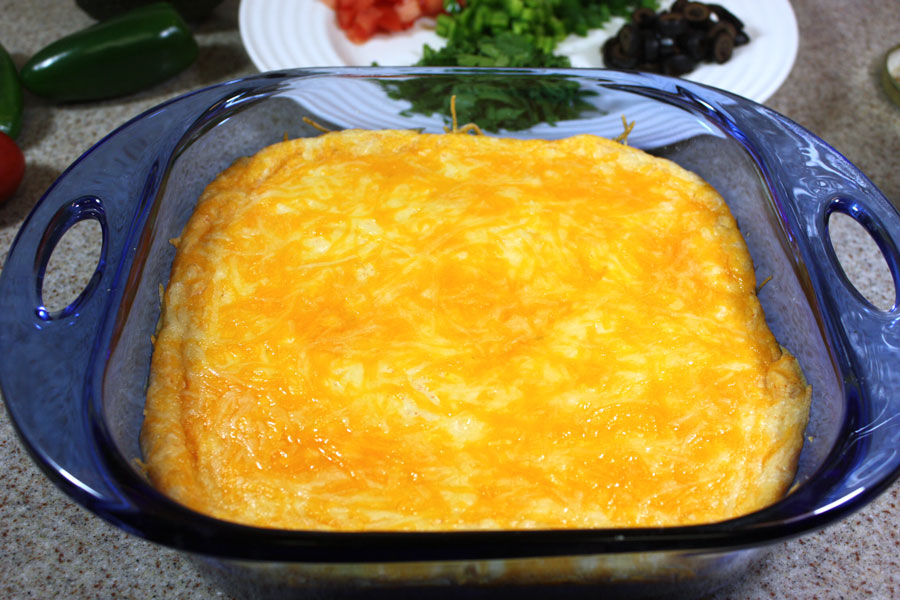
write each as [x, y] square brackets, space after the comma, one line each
[398, 331]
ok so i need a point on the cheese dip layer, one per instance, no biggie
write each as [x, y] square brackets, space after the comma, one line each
[386, 330]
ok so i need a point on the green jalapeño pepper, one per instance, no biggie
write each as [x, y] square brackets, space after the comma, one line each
[120, 56]
[10, 96]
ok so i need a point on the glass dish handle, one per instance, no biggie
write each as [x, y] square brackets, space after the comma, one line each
[871, 340]
[870, 337]
[50, 392]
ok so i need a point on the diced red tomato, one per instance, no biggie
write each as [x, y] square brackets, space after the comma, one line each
[361, 19]
[408, 10]
[432, 7]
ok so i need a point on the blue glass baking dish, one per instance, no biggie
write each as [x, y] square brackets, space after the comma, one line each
[73, 380]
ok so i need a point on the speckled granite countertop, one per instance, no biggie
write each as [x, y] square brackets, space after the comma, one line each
[50, 547]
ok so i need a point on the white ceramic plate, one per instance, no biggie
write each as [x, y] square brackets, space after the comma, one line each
[285, 34]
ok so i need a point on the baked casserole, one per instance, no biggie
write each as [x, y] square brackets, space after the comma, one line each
[387, 330]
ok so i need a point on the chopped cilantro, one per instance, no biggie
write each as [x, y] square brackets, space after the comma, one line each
[512, 102]
[508, 34]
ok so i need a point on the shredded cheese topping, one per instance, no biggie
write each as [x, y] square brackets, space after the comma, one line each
[397, 331]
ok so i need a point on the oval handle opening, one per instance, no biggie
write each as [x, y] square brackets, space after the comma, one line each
[70, 258]
[865, 255]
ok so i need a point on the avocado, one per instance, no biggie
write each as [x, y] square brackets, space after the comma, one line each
[191, 10]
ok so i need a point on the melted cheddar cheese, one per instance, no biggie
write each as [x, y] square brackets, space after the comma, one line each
[398, 331]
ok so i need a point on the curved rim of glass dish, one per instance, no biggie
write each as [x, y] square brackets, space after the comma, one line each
[144, 511]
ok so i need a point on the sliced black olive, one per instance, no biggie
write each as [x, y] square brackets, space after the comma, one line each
[671, 24]
[720, 27]
[725, 15]
[614, 57]
[667, 46]
[722, 47]
[678, 64]
[694, 44]
[651, 49]
[644, 17]
[696, 12]
[675, 41]
[630, 40]
[606, 51]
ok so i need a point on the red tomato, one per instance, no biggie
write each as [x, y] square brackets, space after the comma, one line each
[361, 19]
[12, 167]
